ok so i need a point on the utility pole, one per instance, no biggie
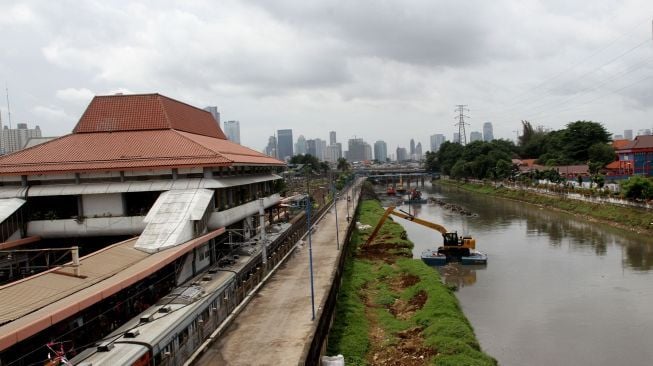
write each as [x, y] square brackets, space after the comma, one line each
[462, 135]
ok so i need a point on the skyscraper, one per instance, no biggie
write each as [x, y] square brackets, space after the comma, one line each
[320, 149]
[333, 152]
[214, 112]
[284, 144]
[412, 147]
[475, 136]
[628, 134]
[332, 137]
[380, 151]
[418, 151]
[300, 146]
[358, 150]
[437, 140]
[311, 148]
[402, 154]
[232, 130]
[271, 149]
[13, 139]
[488, 134]
[456, 137]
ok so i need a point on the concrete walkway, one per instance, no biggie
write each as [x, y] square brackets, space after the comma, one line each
[276, 325]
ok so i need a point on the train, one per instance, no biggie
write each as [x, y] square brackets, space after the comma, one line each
[169, 332]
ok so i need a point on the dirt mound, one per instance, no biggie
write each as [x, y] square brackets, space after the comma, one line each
[403, 310]
[409, 351]
[387, 252]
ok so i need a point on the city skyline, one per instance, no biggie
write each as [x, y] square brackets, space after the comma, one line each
[350, 79]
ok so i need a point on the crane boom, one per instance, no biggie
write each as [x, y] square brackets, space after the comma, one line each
[391, 211]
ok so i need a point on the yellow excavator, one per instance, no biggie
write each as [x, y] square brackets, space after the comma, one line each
[461, 248]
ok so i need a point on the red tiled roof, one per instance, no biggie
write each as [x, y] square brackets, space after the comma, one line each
[615, 165]
[112, 113]
[619, 144]
[128, 132]
[640, 142]
[129, 150]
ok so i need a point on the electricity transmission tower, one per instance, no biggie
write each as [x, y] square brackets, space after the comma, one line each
[462, 135]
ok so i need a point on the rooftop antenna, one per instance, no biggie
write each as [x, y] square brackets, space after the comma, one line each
[8, 108]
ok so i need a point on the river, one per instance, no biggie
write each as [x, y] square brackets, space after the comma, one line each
[557, 290]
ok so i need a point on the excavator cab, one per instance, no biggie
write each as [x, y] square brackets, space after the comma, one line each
[451, 239]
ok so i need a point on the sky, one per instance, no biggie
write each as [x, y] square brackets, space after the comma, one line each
[380, 70]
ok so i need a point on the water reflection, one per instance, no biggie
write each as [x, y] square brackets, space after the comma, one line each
[559, 228]
[456, 274]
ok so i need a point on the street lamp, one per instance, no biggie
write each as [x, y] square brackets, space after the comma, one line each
[310, 244]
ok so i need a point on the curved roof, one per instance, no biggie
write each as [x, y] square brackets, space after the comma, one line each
[110, 113]
[128, 132]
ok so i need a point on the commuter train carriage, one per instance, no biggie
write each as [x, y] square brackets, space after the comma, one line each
[170, 331]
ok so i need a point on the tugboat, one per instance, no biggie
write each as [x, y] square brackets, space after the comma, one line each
[454, 248]
[391, 191]
[415, 196]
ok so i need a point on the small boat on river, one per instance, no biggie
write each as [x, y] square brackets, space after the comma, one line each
[474, 257]
[433, 258]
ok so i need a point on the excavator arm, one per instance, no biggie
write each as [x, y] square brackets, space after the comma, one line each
[391, 211]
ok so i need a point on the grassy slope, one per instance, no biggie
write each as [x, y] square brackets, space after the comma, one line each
[367, 292]
[626, 217]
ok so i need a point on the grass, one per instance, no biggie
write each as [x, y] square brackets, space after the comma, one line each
[625, 217]
[371, 289]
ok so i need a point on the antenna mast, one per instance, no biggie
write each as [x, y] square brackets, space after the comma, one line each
[462, 135]
[8, 108]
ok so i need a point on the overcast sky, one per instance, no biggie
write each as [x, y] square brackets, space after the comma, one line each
[388, 70]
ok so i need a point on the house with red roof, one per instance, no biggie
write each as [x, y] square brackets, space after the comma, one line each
[634, 157]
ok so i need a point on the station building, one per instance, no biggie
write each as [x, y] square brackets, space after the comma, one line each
[154, 180]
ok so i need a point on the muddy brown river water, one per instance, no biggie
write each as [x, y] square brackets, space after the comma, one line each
[557, 290]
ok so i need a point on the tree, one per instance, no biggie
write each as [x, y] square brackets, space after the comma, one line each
[307, 159]
[343, 165]
[579, 136]
[637, 188]
[601, 153]
[431, 162]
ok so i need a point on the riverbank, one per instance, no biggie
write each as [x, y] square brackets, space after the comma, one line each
[394, 310]
[634, 219]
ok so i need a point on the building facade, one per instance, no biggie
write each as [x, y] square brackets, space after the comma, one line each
[285, 144]
[358, 150]
[14, 139]
[381, 151]
[475, 136]
[402, 154]
[232, 130]
[214, 112]
[488, 133]
[300, 146]
[436, 141]
[332, 137]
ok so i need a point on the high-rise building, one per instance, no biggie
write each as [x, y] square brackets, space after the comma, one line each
[214, 112]
[380, 151]
[300, 146]
[232, 130]
[628, 134]
[418, 151]
[332, 137]
[475, 136]
[333, 152]
[271, 149]
[284, 144]
[311, 147]
[13, 139]
[402, 154]
[436, 141]
[488, 134]
[320, 149]
[358, 150]
[456, 137]
[412, 147]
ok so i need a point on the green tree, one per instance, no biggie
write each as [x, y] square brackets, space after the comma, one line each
[343, 165]
[431, 163]
[601, 153]
[579, 136]
[637, 188]
[307, 159]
